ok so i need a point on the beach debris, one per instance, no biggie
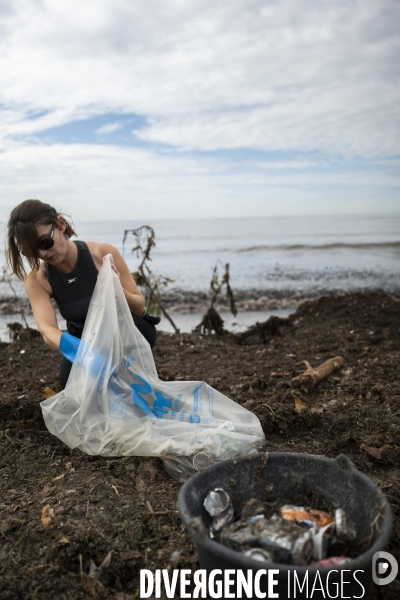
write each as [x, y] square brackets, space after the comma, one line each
[47, 488]
[95, 571]
[145, 241]
[295, 535]
[254, 507]
[344, 526]
[47, 515]
[309, 517]
[175, 556]
[211, 321]
[285, 541]
[375, 452]
[62, 541]
[348, 374]
[219, 506]
[258, 554]
[48, 392]
[299, 405]
[321, 541]
[264, 330]
[311, 376]
[332, 561]
[202, 460]
[216, 502]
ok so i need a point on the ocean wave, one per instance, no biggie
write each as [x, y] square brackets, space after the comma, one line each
[332, 246]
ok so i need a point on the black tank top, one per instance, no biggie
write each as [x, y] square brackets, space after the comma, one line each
[73, 291]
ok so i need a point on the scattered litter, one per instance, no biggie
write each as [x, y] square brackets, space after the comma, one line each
[47, 515]
[47, 488]
[115, 489]
[22, 351]
[375, 452]
[175, 556]
[299, 405]
[48, 392]
[63, 541]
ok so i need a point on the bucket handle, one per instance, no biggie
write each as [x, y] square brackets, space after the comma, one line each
[344, 462]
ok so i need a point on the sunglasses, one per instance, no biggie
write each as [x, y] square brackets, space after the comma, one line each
[45, 243]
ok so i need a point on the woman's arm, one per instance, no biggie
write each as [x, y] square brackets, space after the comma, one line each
[134, 297]
[43, 310]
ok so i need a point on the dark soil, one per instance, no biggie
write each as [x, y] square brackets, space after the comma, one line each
[127, 506]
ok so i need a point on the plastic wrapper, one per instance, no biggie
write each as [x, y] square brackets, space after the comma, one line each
[308, 517]
[121, 407]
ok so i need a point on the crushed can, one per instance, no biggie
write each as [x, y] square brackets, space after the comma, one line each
[285, 542]
[219, 506]
[258, 554]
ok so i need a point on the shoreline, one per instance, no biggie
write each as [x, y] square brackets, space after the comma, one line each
[187, 307]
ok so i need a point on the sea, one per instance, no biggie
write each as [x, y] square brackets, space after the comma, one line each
[275, 263]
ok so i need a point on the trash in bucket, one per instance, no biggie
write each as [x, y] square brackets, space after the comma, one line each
[344, 519]
[298, 535]
[285, 541]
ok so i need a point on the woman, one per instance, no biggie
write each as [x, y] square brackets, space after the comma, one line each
[66, 271]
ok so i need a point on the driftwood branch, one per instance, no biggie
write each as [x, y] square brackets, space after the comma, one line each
[311, 377]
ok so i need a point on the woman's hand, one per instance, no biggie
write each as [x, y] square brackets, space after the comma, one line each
[114, 267]
[134, 297]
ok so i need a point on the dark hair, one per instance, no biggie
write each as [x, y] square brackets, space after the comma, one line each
[22, 235]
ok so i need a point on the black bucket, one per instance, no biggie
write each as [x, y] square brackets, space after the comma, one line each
[290, 478]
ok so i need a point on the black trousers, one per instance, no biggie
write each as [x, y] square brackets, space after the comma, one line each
[146, 326]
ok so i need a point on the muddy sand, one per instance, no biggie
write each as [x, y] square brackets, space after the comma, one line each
[124, 509]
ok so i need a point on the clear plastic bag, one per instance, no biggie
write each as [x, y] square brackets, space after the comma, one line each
[114, 403]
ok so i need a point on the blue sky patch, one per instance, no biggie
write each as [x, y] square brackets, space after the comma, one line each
[110, 128]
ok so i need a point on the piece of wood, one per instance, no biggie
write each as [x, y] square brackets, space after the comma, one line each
[311, 377]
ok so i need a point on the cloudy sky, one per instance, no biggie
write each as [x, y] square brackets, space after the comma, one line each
[177, 108]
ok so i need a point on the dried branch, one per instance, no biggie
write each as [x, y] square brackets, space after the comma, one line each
[311, 377]
[145, 242]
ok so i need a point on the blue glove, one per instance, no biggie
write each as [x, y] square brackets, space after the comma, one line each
[69, 345]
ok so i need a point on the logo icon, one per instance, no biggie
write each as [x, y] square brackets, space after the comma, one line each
[71, 280]
[384, 568]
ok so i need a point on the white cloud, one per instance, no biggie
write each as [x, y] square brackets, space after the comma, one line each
[289, 76]
[104, 182]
